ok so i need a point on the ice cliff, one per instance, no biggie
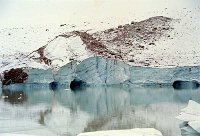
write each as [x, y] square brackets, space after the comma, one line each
[105, 71]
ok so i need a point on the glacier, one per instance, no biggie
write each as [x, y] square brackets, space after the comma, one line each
[105, 71]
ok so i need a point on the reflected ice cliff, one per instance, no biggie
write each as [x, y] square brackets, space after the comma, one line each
[66, 112]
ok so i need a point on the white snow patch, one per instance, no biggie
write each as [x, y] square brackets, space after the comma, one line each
[130, 132]
[63, 50]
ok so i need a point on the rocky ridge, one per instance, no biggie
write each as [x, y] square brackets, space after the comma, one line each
[120, 43]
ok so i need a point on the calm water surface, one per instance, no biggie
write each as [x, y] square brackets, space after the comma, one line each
[64, 112]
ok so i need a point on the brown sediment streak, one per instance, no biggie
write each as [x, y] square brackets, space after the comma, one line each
[96, 46]
[42, 58]
[92, 44]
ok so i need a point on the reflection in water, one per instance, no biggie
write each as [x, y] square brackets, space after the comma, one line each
[65, 112]
[43, 114]
[14, 97]
[187, 130]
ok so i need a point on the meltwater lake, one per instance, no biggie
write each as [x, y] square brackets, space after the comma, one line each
[41, 111]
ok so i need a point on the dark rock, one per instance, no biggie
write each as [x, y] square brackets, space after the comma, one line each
[165, 28]
[112, 53]
[13, 76]
[133, 22]
[138, 29]
[110, 30]
[154, 29]
[120, 26]
[152, 43]
[62, 25]
[131, 60]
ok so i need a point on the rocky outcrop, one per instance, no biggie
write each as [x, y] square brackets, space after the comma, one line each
[27, 76]
[14, 76]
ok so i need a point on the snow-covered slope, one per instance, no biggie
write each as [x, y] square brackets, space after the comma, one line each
[60, 51]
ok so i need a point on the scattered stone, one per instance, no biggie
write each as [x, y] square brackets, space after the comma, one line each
[133, 22]
[132, 60]
[138, 29]
[152, 43]
[120, 26]
[62, 25]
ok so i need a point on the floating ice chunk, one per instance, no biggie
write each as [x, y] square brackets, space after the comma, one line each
[191, 117]
[128, 132]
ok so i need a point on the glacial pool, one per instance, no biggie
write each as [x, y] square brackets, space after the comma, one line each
[41, 111]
